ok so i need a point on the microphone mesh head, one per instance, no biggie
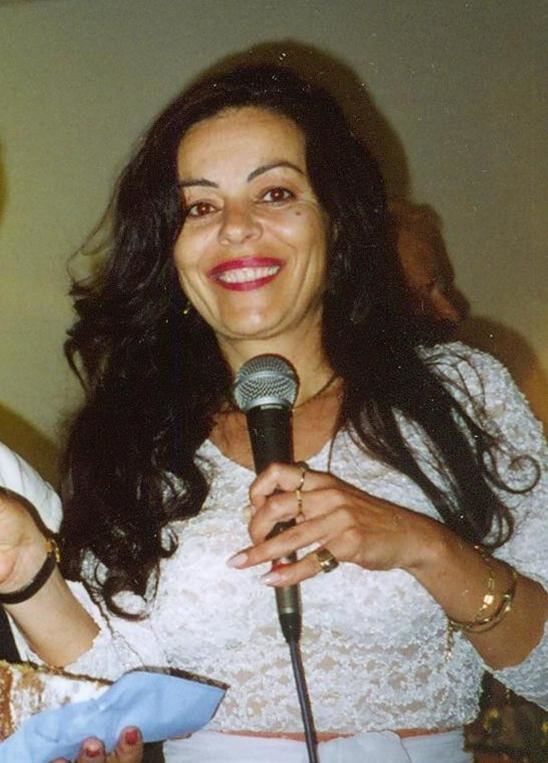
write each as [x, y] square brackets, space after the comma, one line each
[265, 380]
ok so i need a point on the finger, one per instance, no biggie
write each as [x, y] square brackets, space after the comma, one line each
[282, 507]
[287, 478]
[92, 751]
[130, 746]
[282, 545]
[307, 567]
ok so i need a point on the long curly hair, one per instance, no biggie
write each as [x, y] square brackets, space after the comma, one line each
[154, 378]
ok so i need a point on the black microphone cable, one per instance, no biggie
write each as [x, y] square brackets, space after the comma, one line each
[265, 389]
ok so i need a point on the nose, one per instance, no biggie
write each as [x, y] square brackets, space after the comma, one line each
[239, 224]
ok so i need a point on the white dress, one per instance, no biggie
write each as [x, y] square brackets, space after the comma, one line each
[373, 643]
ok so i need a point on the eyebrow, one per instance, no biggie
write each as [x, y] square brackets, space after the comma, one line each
[252, 175]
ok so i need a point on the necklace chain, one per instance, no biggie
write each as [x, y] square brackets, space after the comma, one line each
[318, 392]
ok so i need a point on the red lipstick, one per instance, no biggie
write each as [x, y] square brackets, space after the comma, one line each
[246, 273]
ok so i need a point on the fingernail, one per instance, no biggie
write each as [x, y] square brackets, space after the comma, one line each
[92, 750]
[238, 560]
[131, 736]
[271, 578]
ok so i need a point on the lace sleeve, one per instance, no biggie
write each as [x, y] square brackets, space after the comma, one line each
[488, 393]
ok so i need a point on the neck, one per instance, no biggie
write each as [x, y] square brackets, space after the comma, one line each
[301, 400]
[305, 354]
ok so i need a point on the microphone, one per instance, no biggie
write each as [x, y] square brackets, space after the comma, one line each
[265, 389]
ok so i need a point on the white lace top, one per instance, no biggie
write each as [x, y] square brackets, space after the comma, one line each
[373, 642]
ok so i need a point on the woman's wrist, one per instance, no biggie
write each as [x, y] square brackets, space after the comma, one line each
[33, 584]
[27, 561]
[428, 545]
[475, 590]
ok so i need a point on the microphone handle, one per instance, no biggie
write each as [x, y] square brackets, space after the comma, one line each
[269, 429]
[288, 599]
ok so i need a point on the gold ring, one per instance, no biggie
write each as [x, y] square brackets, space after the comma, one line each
[303, 466]
[326, 560]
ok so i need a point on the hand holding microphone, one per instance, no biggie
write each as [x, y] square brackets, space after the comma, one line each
[343, 522]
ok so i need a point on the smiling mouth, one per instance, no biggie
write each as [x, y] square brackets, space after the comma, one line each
[246, 274]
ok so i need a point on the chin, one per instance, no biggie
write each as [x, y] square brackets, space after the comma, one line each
[250, 325]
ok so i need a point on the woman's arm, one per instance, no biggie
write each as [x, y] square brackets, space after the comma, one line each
[378, 535]
[55, 625]
[463, 581]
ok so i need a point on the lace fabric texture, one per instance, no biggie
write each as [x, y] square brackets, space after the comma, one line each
[373, 642]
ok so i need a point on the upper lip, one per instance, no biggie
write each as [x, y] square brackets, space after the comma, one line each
[244, 262]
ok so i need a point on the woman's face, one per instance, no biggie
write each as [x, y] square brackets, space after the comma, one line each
[251, 254]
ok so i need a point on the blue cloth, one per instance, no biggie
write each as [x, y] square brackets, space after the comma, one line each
[161, 705]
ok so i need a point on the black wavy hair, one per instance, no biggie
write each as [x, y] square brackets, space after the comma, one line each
[154, 378]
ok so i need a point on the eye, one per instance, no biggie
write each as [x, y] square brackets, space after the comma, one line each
[199, 209]
[276, 195]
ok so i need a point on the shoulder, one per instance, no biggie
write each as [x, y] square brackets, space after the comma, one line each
[476, 375]
[486, 391]
[459, 360]
[17, 475]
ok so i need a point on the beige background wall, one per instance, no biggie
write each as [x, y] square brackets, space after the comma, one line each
[461, 99]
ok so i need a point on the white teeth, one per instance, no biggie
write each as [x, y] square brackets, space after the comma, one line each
[243, 275]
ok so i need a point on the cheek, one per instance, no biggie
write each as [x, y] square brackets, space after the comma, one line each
[305, 228]
[194, 246]
[184, 251]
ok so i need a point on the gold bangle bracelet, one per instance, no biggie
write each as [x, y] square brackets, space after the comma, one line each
[483, 624]
[489, 596]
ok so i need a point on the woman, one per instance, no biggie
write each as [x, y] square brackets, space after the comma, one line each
[252, 221]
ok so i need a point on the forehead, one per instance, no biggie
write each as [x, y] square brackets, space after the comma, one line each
[259, 132]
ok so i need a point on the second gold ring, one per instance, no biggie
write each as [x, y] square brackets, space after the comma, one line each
[303, 466]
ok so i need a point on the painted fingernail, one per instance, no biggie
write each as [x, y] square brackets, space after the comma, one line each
[238, 560]
[92, 749]
[131, 736]
[271, 578]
